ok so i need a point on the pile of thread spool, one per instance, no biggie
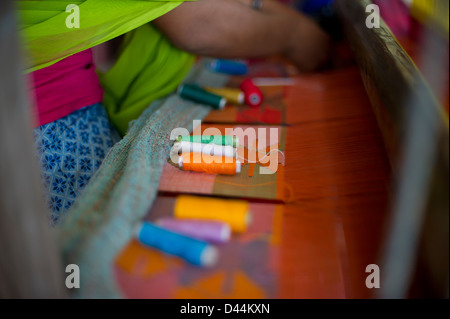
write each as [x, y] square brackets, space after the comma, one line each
[198, 225]
[247, 93]
[208, 154]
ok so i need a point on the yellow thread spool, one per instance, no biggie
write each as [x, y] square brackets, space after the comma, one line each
[234, 96]
[233, 212]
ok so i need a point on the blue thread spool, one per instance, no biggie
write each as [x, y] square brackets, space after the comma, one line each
[229, 67]
[194, 251]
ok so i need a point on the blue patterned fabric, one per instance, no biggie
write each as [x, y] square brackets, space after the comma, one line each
[71, 150]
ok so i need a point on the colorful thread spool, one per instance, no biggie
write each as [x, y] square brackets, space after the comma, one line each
[207, 149]
[195, 93]
[229, 67]
[234, 96]
[253, 95]
[198, 162]
[233, 212]
[192, 250]
[232, 141]
[210, 231]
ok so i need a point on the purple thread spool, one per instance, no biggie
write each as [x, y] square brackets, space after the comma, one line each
[211, 231]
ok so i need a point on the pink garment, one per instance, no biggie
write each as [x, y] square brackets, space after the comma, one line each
[65, 87]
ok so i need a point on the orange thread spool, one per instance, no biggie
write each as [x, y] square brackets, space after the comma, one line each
[198, 162]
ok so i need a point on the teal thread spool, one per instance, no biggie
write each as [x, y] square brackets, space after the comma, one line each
[225, 140]
[195, 93]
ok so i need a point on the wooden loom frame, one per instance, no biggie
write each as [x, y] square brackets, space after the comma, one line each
[29, 264]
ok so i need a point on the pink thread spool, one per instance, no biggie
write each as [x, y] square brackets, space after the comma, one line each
[211, 231]
[253, 95]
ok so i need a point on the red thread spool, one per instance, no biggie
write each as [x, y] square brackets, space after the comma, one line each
[253, 95]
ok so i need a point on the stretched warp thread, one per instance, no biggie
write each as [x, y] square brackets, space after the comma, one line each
[148, 68]
[119, 195]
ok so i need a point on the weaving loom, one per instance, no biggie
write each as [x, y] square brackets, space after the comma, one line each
[334, 206]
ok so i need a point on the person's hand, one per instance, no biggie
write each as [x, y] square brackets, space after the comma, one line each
[309, 47]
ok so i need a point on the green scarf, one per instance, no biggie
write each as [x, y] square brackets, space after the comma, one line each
[148, 68]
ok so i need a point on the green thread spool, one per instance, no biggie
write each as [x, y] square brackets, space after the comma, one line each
[213, 139]
[195, 93]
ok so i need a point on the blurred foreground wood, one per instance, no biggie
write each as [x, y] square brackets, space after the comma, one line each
[30, 265]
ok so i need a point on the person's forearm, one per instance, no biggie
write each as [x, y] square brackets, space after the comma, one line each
[233, 29]
[226, 28]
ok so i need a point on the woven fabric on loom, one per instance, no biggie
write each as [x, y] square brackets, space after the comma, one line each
[103, 219]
